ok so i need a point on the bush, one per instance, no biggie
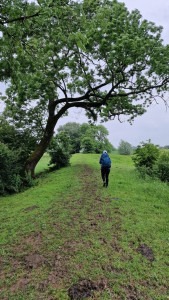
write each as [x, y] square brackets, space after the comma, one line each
[12, 175]
[59, 151]
[59, 158]
[10, 179]
[163, 166]
[145, 158]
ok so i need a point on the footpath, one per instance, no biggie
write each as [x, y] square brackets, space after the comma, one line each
[70, 243]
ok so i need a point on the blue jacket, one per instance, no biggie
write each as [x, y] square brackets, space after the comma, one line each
[105, 160]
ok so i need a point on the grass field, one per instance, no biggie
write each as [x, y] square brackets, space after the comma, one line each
[68, 237]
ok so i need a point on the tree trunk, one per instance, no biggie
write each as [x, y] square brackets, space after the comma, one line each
[41, 148]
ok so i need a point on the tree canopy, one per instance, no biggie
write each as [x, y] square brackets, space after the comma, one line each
[73, 130]
[87, 137]
[92, 54]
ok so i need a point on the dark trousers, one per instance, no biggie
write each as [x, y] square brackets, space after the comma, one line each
[105, 175]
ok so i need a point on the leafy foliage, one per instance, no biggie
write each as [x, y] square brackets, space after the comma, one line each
[17, 139]
[145, 157]
[10, 170]
[87, 145]
[73, 132]
[88, 138]
[15, 147]
[125, 148]
[94, 138]
[59, 151]
[163, 166]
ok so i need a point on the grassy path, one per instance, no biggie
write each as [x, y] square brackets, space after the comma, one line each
[70, 238]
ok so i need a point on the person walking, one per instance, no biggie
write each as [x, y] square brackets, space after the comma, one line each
[105, 162]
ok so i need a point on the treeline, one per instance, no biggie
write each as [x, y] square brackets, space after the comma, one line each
[75, 138]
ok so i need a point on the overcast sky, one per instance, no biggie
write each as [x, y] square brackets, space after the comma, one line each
[154, 124]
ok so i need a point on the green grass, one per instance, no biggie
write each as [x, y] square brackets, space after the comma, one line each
[43, 164]
[68, 227]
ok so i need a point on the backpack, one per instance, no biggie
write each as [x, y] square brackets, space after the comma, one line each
[105, 161]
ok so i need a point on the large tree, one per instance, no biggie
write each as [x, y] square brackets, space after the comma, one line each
[92, 54]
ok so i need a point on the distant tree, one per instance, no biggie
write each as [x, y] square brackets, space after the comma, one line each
[101, 139]
[80, 135]
[98, 134]
[73, 131]
[125, 148]
[87, 145]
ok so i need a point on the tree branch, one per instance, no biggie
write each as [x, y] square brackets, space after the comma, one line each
[21, 18]
[144, 90]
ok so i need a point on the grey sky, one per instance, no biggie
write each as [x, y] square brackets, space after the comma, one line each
[155, 123]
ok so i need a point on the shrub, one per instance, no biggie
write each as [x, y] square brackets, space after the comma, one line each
[163, 166]
[10, 179]
[59, 151]
[59, 158]
[145, 158]
[12, 175]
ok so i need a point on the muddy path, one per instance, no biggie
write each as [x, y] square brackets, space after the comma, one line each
[75, 255]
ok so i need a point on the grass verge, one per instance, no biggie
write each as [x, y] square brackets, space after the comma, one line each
[70, 238]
